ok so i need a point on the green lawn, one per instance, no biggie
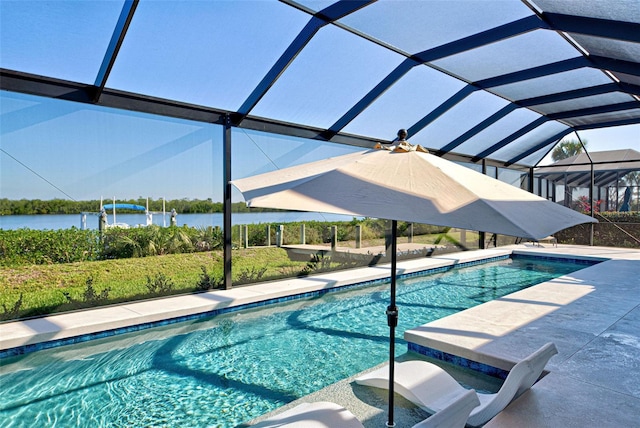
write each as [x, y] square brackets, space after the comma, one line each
[35, 290]
[43, 286]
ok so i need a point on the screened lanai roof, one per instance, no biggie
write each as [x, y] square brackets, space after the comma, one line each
[609, 167]
[500, 80]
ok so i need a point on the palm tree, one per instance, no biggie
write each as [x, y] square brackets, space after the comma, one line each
[566, 149]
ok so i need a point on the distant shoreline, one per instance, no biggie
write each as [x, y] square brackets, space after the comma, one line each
[67, 221]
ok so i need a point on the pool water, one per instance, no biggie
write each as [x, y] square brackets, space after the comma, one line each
[229, 369]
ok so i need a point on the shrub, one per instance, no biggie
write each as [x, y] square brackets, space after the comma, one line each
[160, 284]
[252, 274]
[619, 217]
[148, 241]
[90, 297]
[208, 282]
[207, 238]
[12, 312]
[606, 233]
[26, 246]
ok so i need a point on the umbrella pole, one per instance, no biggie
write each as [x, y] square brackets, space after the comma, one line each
[392, 319]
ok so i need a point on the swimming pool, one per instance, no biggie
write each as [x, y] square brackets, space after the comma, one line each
[225, 370]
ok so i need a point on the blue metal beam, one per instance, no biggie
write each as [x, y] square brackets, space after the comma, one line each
[474, 41]
[119, 32]
[442, 109]
[402, 69]
[502, 143]
[594, 110]
[569, 95]
[616, 65]
[598, 177]
[279, 67]
[617, 30]
[341, 9]
[542, 145]
[532, 73]
[622, 122]
[319, 20]
[479, 128]
[629, 88]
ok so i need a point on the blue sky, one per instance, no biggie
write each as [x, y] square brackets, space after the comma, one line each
[56, 149]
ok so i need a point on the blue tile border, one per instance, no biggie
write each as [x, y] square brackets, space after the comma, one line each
[578, 261]
[458, 361]
[25, 349]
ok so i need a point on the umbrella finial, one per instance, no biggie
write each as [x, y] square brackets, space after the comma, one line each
[402, 138]
[401, 144]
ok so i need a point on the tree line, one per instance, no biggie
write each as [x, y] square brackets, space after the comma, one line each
[65, 206]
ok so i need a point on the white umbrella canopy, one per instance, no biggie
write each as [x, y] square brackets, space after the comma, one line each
[412, 186]
[409, 186]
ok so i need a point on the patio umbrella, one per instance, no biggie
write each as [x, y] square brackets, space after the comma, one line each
[408, 185]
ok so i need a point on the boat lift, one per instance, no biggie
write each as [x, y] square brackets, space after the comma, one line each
[103, 222]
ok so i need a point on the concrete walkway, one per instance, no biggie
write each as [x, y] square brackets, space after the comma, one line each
[593, 316]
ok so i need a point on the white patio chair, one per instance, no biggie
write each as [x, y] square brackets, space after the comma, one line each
[330, 415]
[455, 415]
[433, 389]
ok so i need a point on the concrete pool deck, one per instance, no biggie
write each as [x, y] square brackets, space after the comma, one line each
[593, 316]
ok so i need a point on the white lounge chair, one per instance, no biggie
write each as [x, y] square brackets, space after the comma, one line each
[321, 414]
[432, 388]
[455, 415]
[537, 361]
[550, 239]
[325, 414]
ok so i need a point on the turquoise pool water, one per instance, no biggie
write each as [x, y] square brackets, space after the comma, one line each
[223, 371]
